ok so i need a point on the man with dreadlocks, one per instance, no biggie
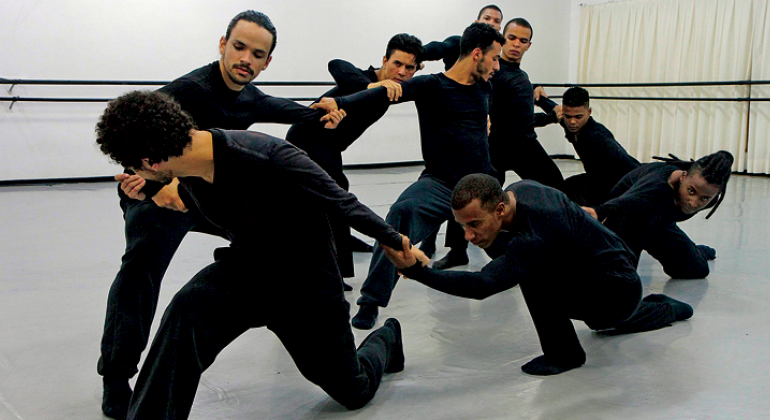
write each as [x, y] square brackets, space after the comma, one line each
[646, 204]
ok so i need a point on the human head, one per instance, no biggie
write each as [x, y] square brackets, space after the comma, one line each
[518, 39]
[575, 108]
[479, 205]
[246, 48]
[482, 42]
[143, 127]
[403, 56]
[491, 15]
[704, 184]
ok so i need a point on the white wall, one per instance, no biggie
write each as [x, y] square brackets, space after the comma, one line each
[161, 40]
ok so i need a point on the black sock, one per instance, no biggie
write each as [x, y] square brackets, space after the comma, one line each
[543, 366]
[707, 252]
[681, 310]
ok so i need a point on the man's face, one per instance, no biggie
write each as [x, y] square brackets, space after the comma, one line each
[491, 17]
[245, 54]
[488, 64]
[481, 226]
[400, 67]
[516, 42]
[155, 172]
[694, 192]
[575, 117]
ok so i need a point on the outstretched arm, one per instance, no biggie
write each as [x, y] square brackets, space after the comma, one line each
[499, 275]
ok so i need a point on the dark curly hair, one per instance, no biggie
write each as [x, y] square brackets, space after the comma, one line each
[143, 125]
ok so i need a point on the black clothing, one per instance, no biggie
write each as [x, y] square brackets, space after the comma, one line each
[642, 210]
[325, 147]
[453, 122]
[153, 234]
[453, 135]
[447, 50]
[569, 266]
[242, 289]
[513, 144]
[605, 162]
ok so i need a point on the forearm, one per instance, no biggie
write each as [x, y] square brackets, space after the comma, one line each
[348, 77]
[494, 278]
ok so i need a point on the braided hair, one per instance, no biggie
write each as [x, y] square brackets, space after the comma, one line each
[714, 168]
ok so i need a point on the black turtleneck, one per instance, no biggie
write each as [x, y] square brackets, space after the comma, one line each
[513, 113]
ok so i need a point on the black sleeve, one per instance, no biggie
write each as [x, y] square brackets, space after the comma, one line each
[447, 50]
[499, 275]
[411, 91]
[348, 77]
[640, 198]
[549, 116]
[296, 167]
[284, 111]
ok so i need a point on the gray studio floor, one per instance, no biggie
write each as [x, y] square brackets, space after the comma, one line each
[61, 246]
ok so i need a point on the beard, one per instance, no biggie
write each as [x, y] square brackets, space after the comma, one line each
[481, 72]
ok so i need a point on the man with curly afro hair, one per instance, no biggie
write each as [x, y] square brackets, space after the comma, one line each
[252, 282]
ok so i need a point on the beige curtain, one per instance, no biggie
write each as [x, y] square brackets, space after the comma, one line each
[651, 41]
[758, 153]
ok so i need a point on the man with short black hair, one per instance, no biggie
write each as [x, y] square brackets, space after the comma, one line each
[252, 282]
[568, 265]
[157, 219]
[452, 108]
[513, 143]
[604, 159]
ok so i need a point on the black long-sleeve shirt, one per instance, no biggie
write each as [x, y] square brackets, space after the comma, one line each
[284, 195]
[349, 80]
[644, 192]
[447, 50]
[513, 113]
[551, 239]
[453, 122]
[603, 158]
[203, 94]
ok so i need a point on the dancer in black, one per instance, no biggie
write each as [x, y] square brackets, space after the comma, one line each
[217, 95]
[251, 282]
[513, 143]
[605, 161]
[452, 108]
[642, 198]
[525, 229]
[403, 55]
[646, 204]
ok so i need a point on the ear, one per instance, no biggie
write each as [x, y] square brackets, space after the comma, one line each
[267, 62]
[384, 60]
[146, 164]
[477, 54]
[500, 209]
[222, 44]
[589, 111]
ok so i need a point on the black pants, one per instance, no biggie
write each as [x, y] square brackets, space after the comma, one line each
[417, 213]
[227, 298]
[153, 235]
[664, 241]
[529, 160]
[602, 302]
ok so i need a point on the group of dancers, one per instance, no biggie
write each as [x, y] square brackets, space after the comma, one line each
[571, 245]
